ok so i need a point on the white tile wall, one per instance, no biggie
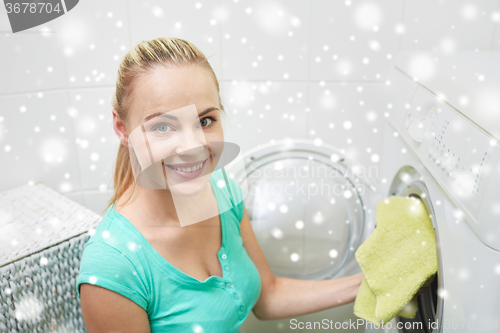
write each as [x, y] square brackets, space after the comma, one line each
[196, 21]
[258, 112]
[495, 46]
[93, 36]
[96, 141]
[97, 200]
[357, 44]
[448, 25]
[29, 61]
[38, 141]
[350, 117]
[4, 21]
[94, 200]
[274, 43]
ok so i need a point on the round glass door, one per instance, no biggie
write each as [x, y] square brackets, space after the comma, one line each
[306, 213]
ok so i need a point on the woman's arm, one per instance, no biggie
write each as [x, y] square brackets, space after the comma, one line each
[105, 311]
[284, 297]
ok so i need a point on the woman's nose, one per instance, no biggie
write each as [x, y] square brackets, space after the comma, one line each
[191, 143]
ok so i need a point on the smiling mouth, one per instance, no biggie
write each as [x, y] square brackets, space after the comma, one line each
[187, 167]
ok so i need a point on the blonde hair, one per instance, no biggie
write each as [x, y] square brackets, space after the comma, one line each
[139, 61]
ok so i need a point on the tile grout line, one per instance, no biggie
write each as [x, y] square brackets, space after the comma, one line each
[53, 90]
[222, 80]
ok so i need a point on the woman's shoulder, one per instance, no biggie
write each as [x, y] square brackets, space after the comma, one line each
[110, 260]
[112, 230]
[113, 236]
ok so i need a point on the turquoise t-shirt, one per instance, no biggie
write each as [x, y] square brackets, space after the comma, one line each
[119, 258]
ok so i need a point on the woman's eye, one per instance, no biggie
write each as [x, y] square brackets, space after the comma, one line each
[205, 122]
[162, 128]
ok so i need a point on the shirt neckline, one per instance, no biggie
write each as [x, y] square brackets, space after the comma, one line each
[167, 266]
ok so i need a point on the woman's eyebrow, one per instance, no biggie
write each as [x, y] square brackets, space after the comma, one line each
[166, 115]
[207, 111]
[159, 114]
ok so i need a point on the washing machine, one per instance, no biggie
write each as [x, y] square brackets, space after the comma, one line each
[440, 147]
[311, 207]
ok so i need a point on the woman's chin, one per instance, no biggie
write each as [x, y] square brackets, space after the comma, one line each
[190, 188]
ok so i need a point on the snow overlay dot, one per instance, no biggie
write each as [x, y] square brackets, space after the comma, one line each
[277, 233]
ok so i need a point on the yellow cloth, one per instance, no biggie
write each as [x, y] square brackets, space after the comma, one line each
[397, 259]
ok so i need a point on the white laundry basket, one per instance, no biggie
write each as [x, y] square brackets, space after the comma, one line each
[42, 234]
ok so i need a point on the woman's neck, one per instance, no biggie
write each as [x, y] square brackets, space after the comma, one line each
[150, 206]
[162, 208]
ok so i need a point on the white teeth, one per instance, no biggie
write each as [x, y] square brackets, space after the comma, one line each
[189, 169]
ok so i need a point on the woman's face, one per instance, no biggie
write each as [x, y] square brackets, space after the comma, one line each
[174, 115]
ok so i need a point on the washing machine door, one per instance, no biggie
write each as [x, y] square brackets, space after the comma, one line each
[309, 207]
[408, 182]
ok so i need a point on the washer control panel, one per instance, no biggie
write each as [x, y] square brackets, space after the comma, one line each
[462, 157]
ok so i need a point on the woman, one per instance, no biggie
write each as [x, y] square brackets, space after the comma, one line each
[141, 271]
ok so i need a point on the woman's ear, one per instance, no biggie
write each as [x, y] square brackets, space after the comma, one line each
[120, 128]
